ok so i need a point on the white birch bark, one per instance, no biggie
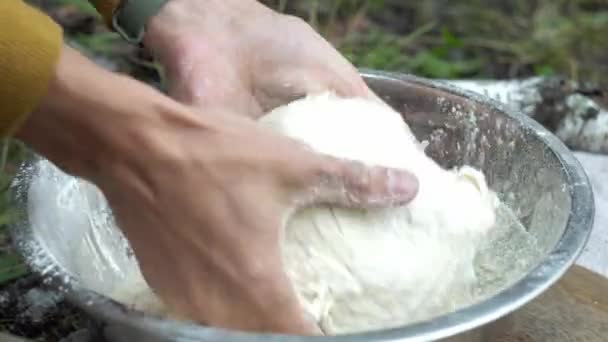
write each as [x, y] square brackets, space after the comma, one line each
[573, 116]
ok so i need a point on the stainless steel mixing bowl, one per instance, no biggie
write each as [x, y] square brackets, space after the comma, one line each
[531, 169]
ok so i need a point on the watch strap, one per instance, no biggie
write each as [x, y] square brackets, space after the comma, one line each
[131, 17]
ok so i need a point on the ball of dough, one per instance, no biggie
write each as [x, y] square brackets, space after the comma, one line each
[360, 270]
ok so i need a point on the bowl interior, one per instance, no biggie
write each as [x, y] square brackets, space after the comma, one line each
[526, 173]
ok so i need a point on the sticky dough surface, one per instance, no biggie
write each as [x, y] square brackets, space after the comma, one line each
[365, 270]
[357, 270]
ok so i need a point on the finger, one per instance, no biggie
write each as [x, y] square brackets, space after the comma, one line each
[288, 85]
[333, 70]
[344, 82]
[261, 296]
[354, 184]
[348, 83]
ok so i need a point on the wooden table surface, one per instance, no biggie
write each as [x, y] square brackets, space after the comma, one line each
[576, 308]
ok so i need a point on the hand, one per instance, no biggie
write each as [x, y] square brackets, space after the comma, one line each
[201, 198]
[206, 222]
[241, 55]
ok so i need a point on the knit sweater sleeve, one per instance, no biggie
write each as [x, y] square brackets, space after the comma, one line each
[30, 45]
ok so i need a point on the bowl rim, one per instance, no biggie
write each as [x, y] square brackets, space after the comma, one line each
[545, 274]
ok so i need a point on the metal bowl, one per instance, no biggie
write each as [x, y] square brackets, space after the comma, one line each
[531, 169]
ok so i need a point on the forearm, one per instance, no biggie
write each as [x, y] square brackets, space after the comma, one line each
[90, 117]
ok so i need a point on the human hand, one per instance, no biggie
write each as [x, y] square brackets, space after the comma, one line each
[202, 199]
[241, 55]
[205, 208]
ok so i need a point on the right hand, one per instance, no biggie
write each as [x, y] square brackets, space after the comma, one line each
[202, 199]
[204, 203]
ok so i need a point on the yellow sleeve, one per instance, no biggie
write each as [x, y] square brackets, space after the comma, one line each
[30, 44]
[106, 9]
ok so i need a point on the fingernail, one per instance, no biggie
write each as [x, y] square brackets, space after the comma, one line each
[402, 186]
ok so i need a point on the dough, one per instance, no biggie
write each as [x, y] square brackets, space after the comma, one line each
[365, 270]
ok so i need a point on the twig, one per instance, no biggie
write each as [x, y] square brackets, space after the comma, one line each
[422, 30]
[282, 6]
[313, 14]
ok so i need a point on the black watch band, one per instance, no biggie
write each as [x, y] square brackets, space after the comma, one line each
[131, 17]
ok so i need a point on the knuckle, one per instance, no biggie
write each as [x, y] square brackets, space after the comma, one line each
[380, 180]
[327, 171]
[324, 180]
[350, 182]
[307, 168]
[359, 178]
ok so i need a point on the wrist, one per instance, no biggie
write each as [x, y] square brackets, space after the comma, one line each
[88, 116]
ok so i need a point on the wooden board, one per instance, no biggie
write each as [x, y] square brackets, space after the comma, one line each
[575, 309]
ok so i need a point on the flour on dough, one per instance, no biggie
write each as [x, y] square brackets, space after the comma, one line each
[365, 270]
[359, 270]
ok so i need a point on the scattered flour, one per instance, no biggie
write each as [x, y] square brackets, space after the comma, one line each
[362, 270]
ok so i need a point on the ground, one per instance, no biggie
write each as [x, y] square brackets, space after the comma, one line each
[437, 39]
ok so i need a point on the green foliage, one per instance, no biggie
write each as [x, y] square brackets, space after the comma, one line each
[491, 38]
[98, 44]
[12, 153]
[378, 50]
[11, 268]
[495, 39]
[83, 5]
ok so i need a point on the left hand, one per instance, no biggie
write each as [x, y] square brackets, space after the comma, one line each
[240, 54]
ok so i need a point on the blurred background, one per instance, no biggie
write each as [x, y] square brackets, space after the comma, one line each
[463, 39]
[436, 38]
[443, 39]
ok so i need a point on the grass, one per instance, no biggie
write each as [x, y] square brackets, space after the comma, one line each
[464, 39]
[11, 154]
[11, 268]
[456, 39]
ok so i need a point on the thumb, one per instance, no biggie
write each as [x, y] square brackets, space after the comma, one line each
[356, 185]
